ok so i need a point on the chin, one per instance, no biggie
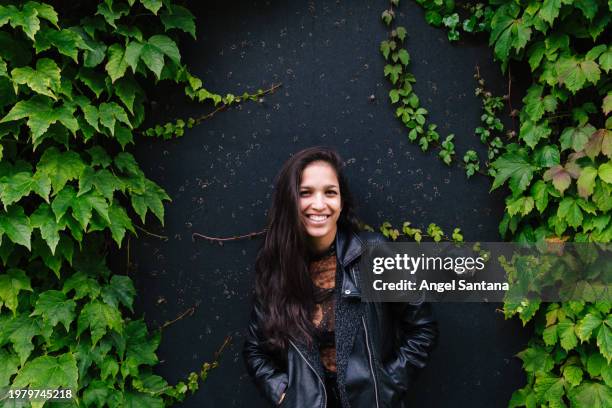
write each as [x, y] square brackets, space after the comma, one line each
[317, 233]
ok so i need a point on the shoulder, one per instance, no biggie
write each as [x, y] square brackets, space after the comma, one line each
[368, 237]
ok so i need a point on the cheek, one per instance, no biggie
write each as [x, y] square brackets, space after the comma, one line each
[302, 204]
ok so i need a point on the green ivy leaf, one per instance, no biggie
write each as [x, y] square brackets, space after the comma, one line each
[519, 205]
[126, 163]
[574, 73]
[151, 199]
[588, 7]
[605, 172]
[123, 135]
[523, 397]
[591, 395]
[126, 89]
[393, 72]
[515, 167]
[13, 188]
[45, 79]
[11, 283]
[577, 137]
[385, 48]
[111, 112]
[547, 156]
[61, 167]
[604, 339]
[53, 306]
[99, 317]
[586, 325]
[119, 290]
[569, 210]
[27, 18]
[549, 335]
[83, 286]
[97, 393]
[120, 222]
[41, 114]
[605, 60]
[140, 400]
[48, 372]
[539, 192]
[93, 79]
[550, 389]
[16, 225]
[154, 50]
[586, 181]
[99, 157]
[103, 181]
[175, 16]
[82, 206]
[140, 348]
[595, 364]
[550, 10]
[536, 359]
[152, 5]
[567, 335]
[44, 219]
[117, 63]
[403, 56]
[9, 365]
[508, 31]
[67, 42]
[20, 331]
[532, 132]
[112, 12]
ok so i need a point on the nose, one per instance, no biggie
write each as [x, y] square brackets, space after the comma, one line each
[318, 202]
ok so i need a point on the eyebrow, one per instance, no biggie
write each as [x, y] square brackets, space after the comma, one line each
[325, 187]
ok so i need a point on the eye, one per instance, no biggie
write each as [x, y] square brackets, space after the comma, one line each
[332, 192]
[304, 193]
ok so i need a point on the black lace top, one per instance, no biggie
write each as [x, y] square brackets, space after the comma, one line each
[323, 273]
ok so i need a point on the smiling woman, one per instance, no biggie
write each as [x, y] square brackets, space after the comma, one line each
[311, 341]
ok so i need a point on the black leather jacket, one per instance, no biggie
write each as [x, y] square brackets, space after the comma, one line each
[379, 346]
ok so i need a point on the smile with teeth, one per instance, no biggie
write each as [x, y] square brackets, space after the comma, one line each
[318, 218]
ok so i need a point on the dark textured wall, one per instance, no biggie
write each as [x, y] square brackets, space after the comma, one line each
[220, 177]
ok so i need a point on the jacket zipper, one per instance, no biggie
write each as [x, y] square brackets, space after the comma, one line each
[313, 370]
[370, 358]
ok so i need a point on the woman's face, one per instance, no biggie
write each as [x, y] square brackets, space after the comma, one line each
[320, 203]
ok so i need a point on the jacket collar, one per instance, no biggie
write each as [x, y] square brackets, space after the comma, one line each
[349, 247]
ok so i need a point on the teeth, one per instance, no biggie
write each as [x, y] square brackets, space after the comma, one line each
[318, 217]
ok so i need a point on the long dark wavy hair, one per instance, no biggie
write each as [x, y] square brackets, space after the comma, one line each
[283, 285]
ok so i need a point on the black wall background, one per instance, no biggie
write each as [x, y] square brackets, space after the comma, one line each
[220, 177]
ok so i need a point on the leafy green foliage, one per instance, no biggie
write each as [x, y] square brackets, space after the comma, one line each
[409, 110]
[434, 232]
[559, 174]
[72, 100]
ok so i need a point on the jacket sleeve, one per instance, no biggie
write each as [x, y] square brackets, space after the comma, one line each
[268, 377]
[417, 337]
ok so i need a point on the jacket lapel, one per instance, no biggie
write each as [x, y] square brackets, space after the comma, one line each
[349, 308]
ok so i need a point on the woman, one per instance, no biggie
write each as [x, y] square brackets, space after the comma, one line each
[311, 342]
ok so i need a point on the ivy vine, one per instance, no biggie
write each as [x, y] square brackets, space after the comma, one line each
[72, 100]
[557, 167]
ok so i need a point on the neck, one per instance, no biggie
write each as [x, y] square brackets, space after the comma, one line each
[319, 245]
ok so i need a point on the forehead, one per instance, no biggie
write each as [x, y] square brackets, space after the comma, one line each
[319, 173]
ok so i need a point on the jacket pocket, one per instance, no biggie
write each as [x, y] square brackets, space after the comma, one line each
[395, 380]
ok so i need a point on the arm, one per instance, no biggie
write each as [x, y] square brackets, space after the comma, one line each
[418, 333]
[268, 377]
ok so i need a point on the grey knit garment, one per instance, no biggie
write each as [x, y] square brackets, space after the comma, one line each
[348, 321]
